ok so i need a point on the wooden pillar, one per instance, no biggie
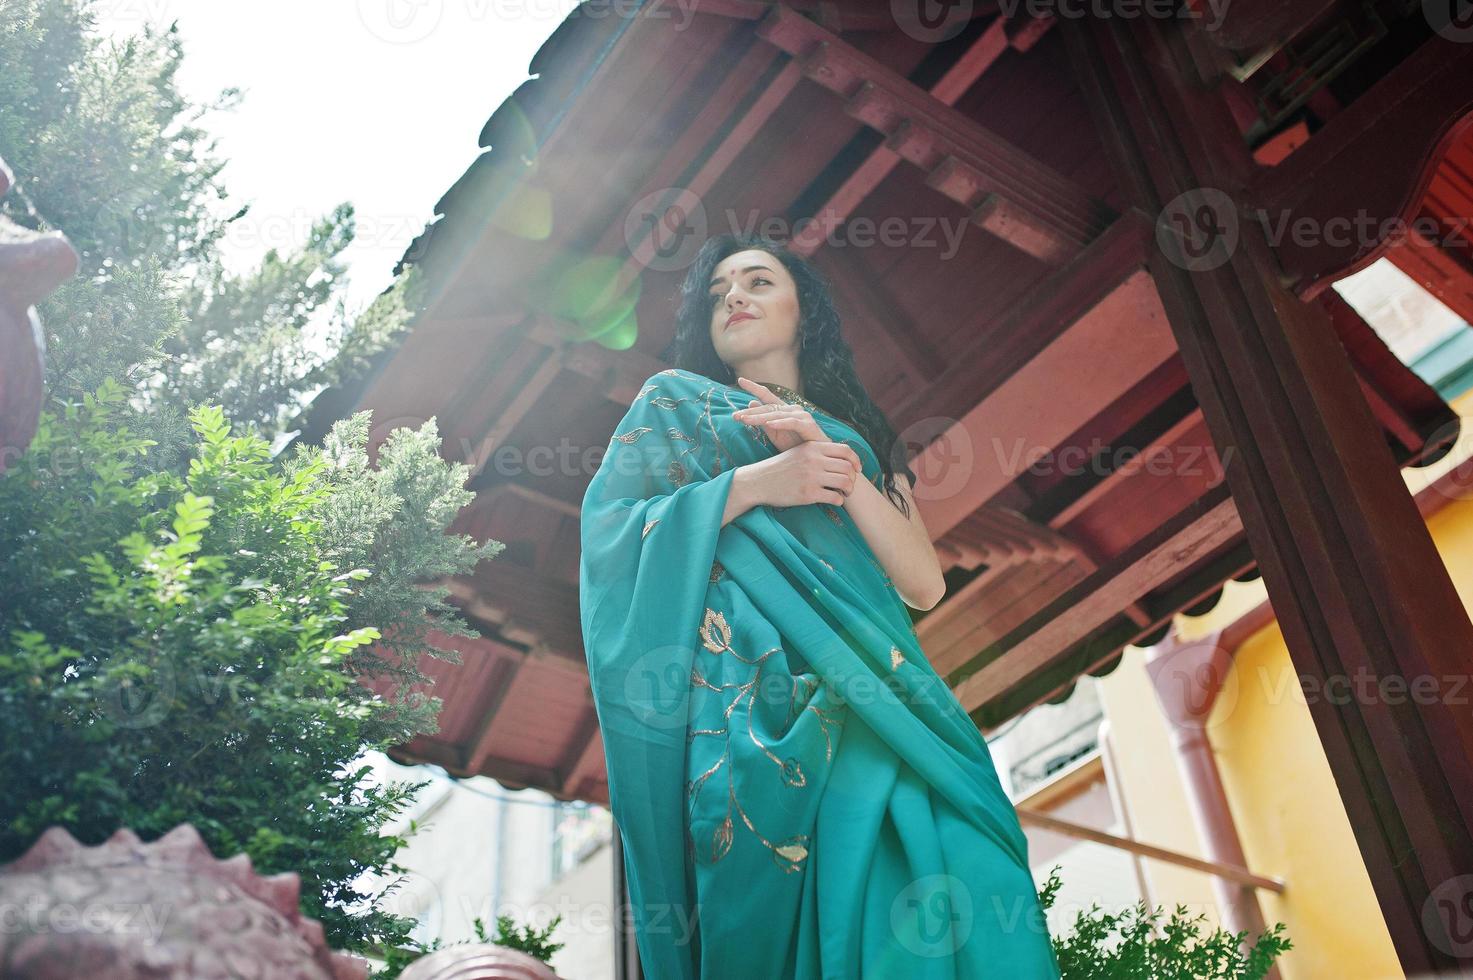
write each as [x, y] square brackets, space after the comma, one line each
[1359, 590]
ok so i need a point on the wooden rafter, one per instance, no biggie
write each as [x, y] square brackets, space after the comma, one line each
[1033, 322]
[892, 337]
[958, 79]
[1011, 194]
[585, 754]
[745, 127]
[995, 384]
[1202, 528]
[995, 536]
[986, 608]
[528, 610]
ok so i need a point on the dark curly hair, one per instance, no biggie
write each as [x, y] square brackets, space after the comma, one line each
[825, 360]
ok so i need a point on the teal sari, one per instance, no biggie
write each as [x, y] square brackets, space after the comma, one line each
[798, 792]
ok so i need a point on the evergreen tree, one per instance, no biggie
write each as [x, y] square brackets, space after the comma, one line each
[184, 619]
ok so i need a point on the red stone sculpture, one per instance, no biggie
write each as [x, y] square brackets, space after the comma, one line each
[165, 910]
[32, 264]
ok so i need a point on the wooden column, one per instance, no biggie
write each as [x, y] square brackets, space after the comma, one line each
[1359, 590]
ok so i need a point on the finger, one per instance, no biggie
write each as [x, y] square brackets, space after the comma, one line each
[843, 451]
[836, 449]
[835, 481]
[760, 390]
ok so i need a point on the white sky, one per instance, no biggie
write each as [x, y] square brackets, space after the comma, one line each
[377, 102]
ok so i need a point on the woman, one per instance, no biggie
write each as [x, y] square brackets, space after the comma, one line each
[799, 794]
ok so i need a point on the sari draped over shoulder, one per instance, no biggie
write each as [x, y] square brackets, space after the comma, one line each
[798, 792]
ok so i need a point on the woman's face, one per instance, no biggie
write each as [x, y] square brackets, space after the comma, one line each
[754, 308]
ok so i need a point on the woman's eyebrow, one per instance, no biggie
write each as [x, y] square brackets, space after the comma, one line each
[750, 268]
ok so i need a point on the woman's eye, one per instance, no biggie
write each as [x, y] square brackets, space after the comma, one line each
[761, 279]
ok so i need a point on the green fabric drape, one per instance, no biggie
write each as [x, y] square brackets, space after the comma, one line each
[798, 792]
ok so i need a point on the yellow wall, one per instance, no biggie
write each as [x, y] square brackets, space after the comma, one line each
[1284, 800]
[1291, 821]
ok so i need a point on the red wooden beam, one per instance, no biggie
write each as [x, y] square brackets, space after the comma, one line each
[1445, 273]
[529, 610]
[989, 607]
[1100, 310]
[877, 166]
[1013, 195]
[1330, 206]
[1206, 526]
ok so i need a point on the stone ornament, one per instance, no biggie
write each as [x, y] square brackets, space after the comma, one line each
[32, 264]
[166, 910]
[478, 962]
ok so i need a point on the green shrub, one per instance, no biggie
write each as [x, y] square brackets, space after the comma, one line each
[1132, 945]
[529, 940]
[190, 645]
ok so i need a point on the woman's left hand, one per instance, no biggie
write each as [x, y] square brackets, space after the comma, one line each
[786, 425]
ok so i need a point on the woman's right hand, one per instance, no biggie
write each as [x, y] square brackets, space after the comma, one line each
[813, 472]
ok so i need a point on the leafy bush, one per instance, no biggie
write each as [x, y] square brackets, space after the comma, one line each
[189, 646]
[531, 941]
[1131, 945]
[527, 939]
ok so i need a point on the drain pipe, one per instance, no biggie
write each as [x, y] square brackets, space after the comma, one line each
[1187, 676]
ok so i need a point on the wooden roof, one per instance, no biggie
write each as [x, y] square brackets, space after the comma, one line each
[1042, 332]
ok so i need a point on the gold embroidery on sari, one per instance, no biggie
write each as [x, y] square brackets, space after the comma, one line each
[896, 658]
[824, 721]
[632, 436]
[678, 472]
[717, 570]
[715, 633]
[790, 853]
[647, 528]
[792, 397]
